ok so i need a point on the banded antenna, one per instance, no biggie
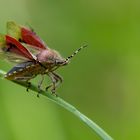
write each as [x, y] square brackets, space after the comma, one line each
[77, 51]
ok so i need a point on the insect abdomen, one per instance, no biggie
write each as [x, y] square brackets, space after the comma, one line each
[24, 71]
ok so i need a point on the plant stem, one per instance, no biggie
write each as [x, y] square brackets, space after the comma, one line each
[94, 127]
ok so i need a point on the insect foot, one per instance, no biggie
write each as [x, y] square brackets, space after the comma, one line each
[54, 93]
[38, 94]
[53, 90]
[28, 86]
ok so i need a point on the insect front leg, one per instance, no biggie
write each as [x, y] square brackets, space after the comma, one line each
[55, 81]
[40, 84]
[57, 77]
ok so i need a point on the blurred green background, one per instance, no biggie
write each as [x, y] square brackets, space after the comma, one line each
[102, 81]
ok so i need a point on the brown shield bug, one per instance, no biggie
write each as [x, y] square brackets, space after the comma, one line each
[32, 55]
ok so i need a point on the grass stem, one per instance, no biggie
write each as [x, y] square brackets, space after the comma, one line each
[91, 124]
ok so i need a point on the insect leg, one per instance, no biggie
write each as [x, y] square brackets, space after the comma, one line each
[57, 77]
[53, 85]
[24, 79]
[48, 87]
[40, 84]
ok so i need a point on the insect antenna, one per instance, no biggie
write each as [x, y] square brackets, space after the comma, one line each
[77, 51]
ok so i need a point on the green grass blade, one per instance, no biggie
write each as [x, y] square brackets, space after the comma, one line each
[91, 124]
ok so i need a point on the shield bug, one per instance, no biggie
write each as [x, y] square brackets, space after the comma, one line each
[32, 55]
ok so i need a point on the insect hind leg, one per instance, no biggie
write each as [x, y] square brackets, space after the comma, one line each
[26, 80]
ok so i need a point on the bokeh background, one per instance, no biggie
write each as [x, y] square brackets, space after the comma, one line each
[102, 81]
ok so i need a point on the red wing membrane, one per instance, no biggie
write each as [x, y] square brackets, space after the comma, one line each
[31, 38]
[16, 47]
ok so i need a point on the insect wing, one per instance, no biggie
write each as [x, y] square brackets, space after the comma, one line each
[5, 55]
[13, 30]
[2, 41]
[12, 57]
[33, 49]
[30, 37]
[25, 35]
[16, 47]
